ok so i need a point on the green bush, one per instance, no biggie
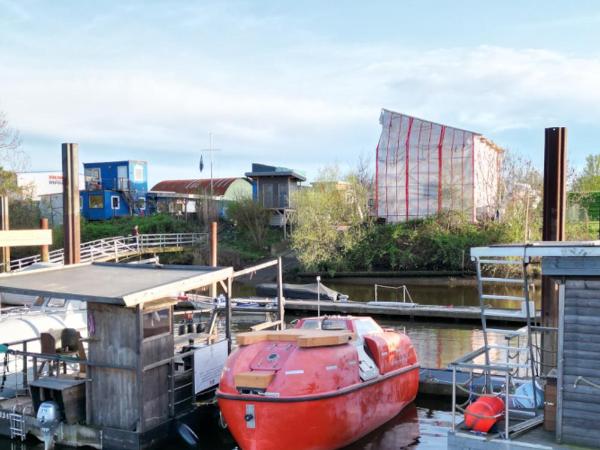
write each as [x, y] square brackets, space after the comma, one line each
[437, 243]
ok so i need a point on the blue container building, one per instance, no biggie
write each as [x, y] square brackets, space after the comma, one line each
[114, 189]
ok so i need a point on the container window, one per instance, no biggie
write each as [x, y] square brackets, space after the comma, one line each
[138, 173]
[96, 201]
[115, 202]
[157, 322]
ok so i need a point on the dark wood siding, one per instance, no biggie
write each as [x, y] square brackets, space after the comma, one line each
[156, 381]
[581, 356]
[114, 342]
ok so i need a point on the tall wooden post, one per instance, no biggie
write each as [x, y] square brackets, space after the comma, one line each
[70, 167]
[555, 205]
[44, 254]
[280, 299]
[5, 225]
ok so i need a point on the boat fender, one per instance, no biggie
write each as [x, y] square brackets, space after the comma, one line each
[482, 414]
[187, 435]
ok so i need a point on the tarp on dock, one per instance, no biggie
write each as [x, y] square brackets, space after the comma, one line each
[300, 291]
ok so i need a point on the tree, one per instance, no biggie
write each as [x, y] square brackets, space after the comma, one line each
[251, 218]
[12, 158]
[589, 179]
[330, 218]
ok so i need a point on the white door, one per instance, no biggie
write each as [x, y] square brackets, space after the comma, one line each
[122, 178]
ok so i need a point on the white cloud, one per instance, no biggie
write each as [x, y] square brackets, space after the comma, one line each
[311, 101]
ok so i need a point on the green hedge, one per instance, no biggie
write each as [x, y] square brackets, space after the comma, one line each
[590, 201]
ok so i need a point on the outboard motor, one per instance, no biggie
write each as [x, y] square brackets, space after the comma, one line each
[48, 417]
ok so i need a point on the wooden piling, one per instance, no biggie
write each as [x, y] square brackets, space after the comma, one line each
[555, 205]
[70, 167]
[44, 253]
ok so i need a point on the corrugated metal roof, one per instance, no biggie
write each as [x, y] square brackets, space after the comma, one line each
[220, 186]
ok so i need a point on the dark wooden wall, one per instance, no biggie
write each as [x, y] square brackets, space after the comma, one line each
[113, 392]
[156, 381]
[581, 358]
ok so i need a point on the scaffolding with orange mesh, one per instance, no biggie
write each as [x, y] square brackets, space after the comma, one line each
[424, 168]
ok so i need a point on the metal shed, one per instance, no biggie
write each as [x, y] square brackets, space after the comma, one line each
[130, 364]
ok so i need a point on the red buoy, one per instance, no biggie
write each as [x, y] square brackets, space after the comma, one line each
[482, 414]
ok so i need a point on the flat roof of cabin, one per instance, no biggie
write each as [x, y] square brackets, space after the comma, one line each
[540, 249]
[116, 284]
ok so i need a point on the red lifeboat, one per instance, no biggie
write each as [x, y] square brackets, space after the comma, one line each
[321, 385]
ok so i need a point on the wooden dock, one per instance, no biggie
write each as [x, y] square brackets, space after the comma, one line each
[420, 312]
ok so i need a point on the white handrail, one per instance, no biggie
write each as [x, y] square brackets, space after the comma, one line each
[117, 247]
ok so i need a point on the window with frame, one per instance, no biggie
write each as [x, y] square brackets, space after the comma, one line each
[156, 322]
[115, 202]
[92, 174]
[138, 173]
[96, 201]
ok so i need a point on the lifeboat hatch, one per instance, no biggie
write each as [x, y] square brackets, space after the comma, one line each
[273, 356]
[366, 366]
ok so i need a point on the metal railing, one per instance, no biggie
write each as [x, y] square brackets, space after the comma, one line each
[117, 247]
[403, 288]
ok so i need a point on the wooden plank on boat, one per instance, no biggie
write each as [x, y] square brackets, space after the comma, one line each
[251, 337]
[318, 338]
[259, 379]
[290, 335]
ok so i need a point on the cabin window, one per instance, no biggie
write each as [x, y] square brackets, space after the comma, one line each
[96, 201]
[157, 322]
[363, 327]
[138, 173]
[115, 202]
[334, 324]
[56, 303]
[311, 325]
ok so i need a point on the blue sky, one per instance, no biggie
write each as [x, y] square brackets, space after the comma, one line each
[298, 84]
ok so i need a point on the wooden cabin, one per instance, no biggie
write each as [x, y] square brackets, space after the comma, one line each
[134, 363]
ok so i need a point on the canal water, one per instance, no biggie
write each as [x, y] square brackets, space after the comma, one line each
[423, 425]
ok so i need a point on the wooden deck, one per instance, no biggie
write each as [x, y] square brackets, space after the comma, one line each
[422, 312]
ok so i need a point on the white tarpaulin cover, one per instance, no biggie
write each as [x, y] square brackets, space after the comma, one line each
[423, 168]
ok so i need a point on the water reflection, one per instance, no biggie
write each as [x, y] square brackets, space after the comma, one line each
[439, 344]
[426, 292]
[420, 426]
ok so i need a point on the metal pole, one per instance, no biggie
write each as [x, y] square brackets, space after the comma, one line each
[506, 403]
[318, 296]
[280, 298]
[453, 398]
[228, 315]
[45, 257]
[5, 225]
[213, 256]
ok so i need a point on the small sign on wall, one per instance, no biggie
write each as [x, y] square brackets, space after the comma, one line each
[208, 364]
[25, 238]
